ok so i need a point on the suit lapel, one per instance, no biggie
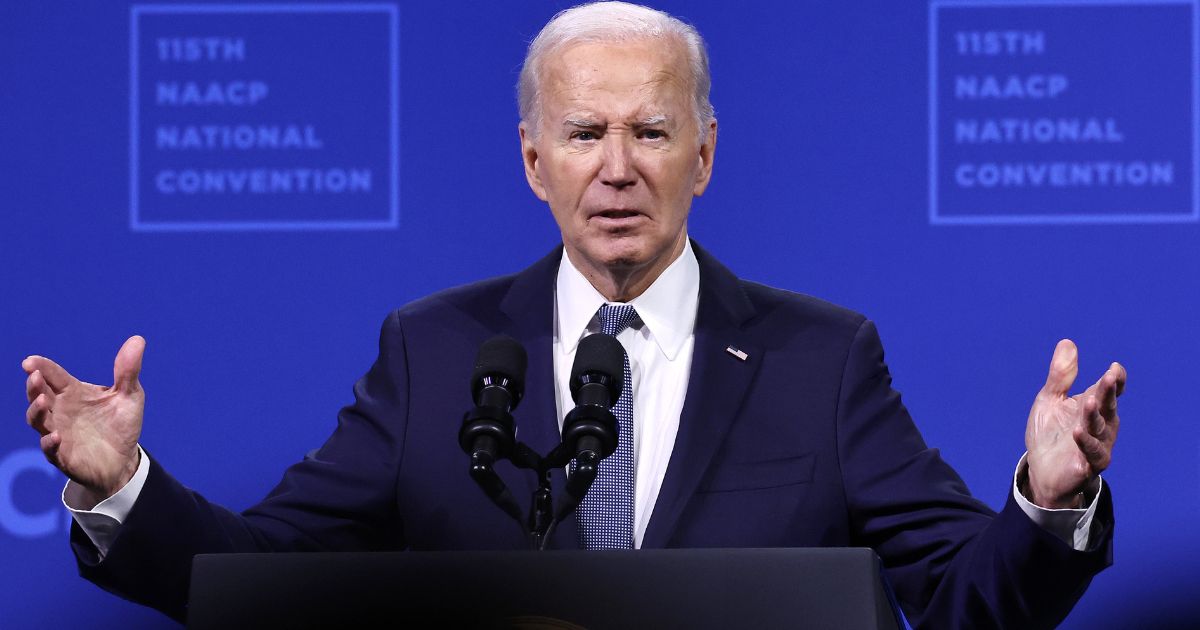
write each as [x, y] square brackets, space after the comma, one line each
[717, 386]
[529, 304]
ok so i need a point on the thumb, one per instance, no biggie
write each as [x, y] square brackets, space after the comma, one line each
[129, 364]
[1064, 366]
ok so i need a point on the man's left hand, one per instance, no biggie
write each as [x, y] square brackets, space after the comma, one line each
[1070, 438]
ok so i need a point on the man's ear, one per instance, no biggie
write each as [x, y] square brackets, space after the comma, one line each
[707, 152]
[529, 155]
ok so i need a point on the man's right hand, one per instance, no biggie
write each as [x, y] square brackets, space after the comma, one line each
[89, 432]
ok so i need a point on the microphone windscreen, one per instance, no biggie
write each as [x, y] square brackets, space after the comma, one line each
[501, 356]
[599, 354]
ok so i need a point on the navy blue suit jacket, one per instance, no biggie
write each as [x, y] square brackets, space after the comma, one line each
[804, 443]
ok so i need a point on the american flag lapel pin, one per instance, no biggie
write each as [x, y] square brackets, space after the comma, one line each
[742, 356]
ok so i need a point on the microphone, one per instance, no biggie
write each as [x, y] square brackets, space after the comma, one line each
[497, 385]
[598, 373]
[590, 429]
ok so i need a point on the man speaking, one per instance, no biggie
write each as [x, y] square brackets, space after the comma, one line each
[752, 417]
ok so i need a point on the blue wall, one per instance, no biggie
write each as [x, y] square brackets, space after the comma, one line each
[837, 174]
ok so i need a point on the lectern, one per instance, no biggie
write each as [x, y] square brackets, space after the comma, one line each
[663, 588]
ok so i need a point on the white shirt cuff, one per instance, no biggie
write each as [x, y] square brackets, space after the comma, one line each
[1072, 526]
[102, 522]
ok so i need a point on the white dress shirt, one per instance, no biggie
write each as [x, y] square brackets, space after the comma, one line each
[659, 344]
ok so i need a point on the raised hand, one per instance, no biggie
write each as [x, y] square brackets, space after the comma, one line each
[1070, 438]
[88, 431]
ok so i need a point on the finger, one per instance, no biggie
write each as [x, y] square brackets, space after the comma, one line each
[1096, 452]
[129, 364]
[37, 414]
[1064, 366]
[35, 385]
[55, 375]
[1121, 375]
[1106, 393]
[50, 443]
[1092, 417]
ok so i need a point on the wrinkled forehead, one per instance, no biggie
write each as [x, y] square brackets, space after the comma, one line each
[626, 77]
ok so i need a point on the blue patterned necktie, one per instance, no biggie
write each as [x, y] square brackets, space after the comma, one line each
[605, 515]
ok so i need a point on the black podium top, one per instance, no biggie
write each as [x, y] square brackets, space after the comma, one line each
[669, 588]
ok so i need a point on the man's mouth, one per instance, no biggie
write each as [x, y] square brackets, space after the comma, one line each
[616, 214]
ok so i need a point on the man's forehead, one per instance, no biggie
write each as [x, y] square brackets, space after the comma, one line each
[632, 81]
[588, 118]
[638, 112]
[636, 63]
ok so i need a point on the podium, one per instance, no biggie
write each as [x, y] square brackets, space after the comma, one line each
[656, 588]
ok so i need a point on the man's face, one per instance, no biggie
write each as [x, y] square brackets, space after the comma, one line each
[618, 156]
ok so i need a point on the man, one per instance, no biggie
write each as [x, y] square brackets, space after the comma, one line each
[755, 417]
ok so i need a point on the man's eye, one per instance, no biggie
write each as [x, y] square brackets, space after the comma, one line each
[583, 135]
[653, 134]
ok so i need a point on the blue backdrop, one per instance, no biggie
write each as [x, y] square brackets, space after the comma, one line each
[253, 188]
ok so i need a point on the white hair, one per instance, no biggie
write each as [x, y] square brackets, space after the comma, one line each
[612, 22]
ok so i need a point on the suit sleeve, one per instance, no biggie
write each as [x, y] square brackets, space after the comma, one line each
[341, 497]
[951, 561]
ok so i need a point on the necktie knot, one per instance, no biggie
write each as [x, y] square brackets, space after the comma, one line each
[616, 317]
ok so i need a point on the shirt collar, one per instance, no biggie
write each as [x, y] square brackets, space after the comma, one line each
[667, 307]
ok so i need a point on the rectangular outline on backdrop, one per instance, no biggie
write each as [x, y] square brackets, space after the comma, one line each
[393, 220]
[1043, 219]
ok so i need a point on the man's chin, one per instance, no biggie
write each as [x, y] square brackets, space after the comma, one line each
[624, 258]
[625, 264]
[620, 259]
[623, 254]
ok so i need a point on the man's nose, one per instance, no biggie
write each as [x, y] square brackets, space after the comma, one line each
[618, 169]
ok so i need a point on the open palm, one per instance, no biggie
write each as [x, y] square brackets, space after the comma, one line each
[89, 432]
[1070, 438]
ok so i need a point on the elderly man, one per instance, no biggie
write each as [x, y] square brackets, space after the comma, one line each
[751, 417]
